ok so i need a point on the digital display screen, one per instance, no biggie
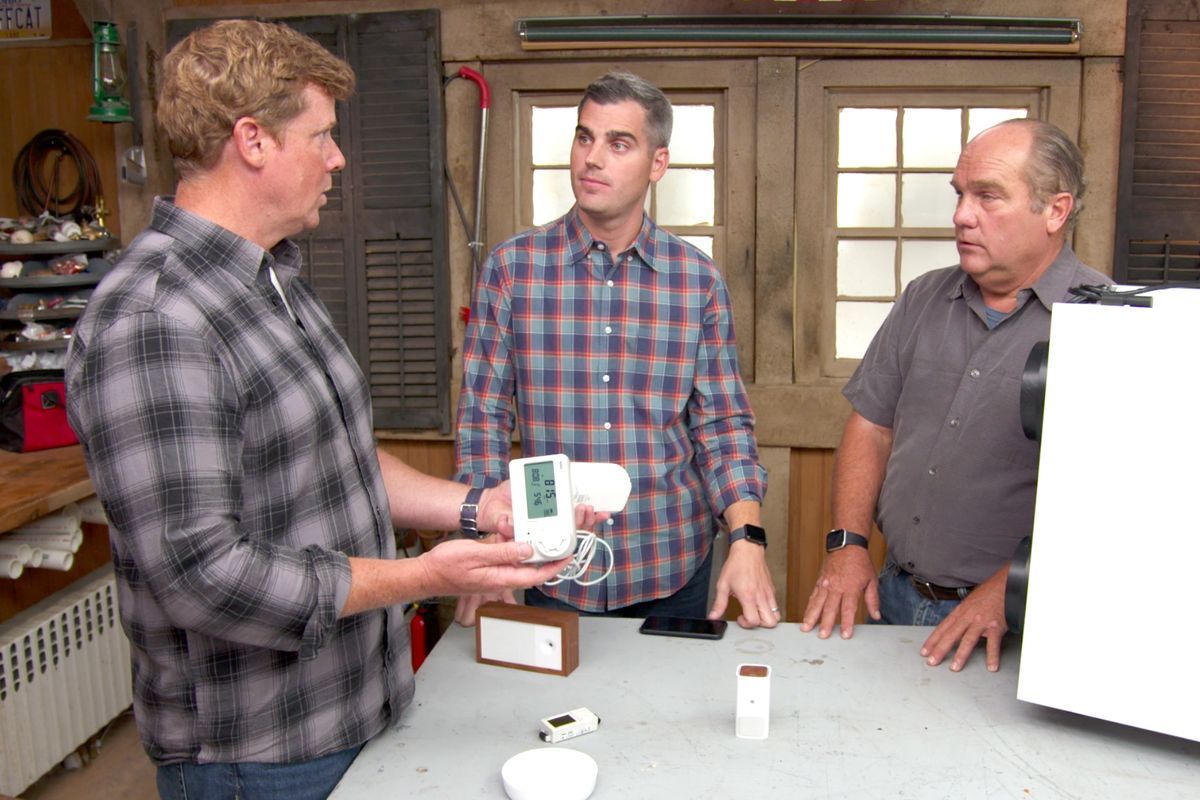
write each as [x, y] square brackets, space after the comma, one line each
[558, 722]
[541, 497]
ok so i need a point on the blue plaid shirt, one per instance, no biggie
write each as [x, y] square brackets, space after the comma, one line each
[625, 358]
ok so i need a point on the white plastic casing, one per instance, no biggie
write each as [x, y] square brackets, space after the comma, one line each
[561, 727]
[753, 701]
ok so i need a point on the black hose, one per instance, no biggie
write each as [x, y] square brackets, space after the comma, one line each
[30, 172]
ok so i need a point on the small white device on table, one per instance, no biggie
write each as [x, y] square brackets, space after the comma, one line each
[561, 727]
[549, 773]
[753, 701]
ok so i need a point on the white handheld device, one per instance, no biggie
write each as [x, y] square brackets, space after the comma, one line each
[545, 490]
[543, 506]
[574, 723]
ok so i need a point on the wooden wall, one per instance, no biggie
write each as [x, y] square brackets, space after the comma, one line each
[48, 84]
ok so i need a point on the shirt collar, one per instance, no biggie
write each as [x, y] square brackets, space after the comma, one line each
[1050, 288]
[650, 244]
[241, 258]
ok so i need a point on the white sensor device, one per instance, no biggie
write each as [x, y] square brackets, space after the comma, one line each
[753, 701]
[561, 727]
[545, 490]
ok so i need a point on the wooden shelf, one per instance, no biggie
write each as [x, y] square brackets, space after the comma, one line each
[59, 248]
[37, 484]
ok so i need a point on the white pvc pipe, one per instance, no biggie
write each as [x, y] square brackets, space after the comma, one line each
[91, 510]
[50, 541]
[19, 551]
[11, 568]
[64, 521]
[61, 560]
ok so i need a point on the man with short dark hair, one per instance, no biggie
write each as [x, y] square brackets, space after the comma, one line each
[612, 341]
[934, 450]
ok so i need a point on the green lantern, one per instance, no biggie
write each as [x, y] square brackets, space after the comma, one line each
[108, 75]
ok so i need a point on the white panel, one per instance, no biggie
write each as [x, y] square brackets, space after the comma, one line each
[692, 134]
[980, 119]
[552, 194]
[932, 137]
[856, 326]
[927, 201]
[524, 643]
[866, 200]
[686, 197]
[552, 134]
[867, 137]
[866, 267]
[918, 256]
[1115, 546]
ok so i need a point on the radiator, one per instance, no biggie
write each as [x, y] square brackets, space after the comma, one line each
[64, 675]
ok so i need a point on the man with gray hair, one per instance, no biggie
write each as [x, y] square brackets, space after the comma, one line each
[612, 340]
[934, 450]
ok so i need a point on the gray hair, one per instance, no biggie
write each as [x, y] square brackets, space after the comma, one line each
[619, 85]
[1055, 165]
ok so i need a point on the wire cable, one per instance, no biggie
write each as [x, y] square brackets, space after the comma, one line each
[31, 167]
[585, 551]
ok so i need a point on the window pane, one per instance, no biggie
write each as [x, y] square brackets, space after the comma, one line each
[932, 136]
[918, 256]
[927, 201]
[856, 326]
[866, 268]
[980, 119]
[703, 243]
[686, 197]
[551, 135]
[866, 201]
[867, 137]
[552, 195]
[692, 135]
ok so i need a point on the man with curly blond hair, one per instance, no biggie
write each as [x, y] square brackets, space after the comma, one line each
[228, 432]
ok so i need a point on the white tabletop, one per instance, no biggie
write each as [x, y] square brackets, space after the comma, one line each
[849, 719]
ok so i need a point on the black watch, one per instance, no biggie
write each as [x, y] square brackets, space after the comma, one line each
[468, 513]
[837, 539]
[751, 533]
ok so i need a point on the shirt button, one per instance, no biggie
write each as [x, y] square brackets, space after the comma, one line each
[933, 470]
[973, 373]
[609, 521]
[608, 426]
[608, 283]
[600, 246]
[608, 328]
[916, 520]
[954, 422]
[911, 566]
[605, 379]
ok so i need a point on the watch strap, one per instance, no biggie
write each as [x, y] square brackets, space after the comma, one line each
[753, 533]
[468, 513]
[839, 538]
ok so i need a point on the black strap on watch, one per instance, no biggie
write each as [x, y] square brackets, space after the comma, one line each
[751, 533]
[840, 537]
[468, 513]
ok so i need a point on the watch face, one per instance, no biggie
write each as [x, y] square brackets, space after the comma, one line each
[755, 534]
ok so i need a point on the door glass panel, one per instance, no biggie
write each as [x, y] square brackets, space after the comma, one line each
[927, 201]
[932, 137]
[552, 195]
[866, 200]
[980, 119]
[692, 134]
[918, 256]
[856, 325]
[703, 243]
[552, 134]
[867, 137]
[686, 197]
[866, 268]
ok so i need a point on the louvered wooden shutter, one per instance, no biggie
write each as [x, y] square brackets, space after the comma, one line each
[378, 259]
[1158, 209]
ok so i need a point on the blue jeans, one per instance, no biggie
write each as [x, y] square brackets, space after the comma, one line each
[690, 601]
[901, 604]
[302, 780]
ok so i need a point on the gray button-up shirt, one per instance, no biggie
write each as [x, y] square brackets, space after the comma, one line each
[959, 489]
[233, 450]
